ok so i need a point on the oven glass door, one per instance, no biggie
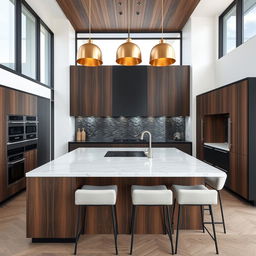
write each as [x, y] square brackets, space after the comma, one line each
[16, 130]
[16, 171]
[30, 128]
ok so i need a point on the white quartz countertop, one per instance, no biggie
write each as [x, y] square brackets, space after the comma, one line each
[223, 146]
[90, 162]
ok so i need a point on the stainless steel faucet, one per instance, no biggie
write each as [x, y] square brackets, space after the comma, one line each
[148, 153]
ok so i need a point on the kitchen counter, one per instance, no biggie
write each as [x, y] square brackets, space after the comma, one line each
[223, 146]
[90, 162]
[131, 142]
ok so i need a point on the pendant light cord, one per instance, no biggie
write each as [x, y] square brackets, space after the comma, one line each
[162, 19]
[128, 18]
[90, 7]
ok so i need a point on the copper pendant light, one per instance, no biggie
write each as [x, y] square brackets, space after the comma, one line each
[163, 53]
[89, 54]
[128, 53]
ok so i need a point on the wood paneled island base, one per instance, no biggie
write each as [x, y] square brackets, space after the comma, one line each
[51, 211]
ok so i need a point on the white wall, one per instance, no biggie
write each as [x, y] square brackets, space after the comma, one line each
[238, 64]
[64, 56]
[199, 51]
[17, 82]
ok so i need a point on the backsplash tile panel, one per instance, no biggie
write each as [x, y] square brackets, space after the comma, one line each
[109, 128]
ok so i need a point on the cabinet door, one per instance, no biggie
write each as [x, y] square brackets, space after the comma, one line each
[238, 174]
[200, 126]
[168, 91]
[129, 91]
[91, 91]
[30, 160]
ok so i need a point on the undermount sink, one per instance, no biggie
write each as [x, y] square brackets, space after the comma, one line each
[125, 154]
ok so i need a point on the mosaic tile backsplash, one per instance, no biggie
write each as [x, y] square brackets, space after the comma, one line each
[109, 128]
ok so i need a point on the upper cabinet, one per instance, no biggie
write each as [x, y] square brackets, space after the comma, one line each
[168, 91]
[90, 91]
[129, 91]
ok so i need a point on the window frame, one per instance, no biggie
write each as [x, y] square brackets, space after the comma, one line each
[239, 25]
[77, 38]
[18, 45]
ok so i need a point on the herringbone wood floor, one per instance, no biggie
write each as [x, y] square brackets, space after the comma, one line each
[240, 239]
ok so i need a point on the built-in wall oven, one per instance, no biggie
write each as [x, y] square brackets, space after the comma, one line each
[21, 128]
[31, 127]
[16, 164]
[16, 128]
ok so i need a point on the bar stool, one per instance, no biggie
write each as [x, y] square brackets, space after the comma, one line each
[151, 196]
[96, 196]
[195, 195]
[217, 184]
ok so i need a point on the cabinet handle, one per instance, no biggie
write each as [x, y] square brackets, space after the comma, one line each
[229, 134]
[202, 130]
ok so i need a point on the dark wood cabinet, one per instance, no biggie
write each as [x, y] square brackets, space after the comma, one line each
[168, 91]
[90, 91]
[237, 101]
[129, 91]
[30, 160]
[12, 102]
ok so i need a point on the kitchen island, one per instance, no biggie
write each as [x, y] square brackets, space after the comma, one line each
[51, 212]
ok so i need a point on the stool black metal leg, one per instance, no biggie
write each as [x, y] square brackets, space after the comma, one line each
[117, 230]
[222, 213]
[133, 221]
[202, 217]
[114, 226]
[213, 228]
[164, 221]
[178, 225]
[77, 228]
[173, 212]
[84, 218]
[169, 227]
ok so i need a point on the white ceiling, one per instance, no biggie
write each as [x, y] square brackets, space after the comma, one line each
[211, 8]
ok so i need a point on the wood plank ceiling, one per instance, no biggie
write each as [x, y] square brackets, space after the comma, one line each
[111, 15]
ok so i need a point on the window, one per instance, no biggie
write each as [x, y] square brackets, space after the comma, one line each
[229, 31]
[237, 24]
[45, 56]
[249, 19]
[109, 44]
[28, 48]
[7, 34]
[25, 42]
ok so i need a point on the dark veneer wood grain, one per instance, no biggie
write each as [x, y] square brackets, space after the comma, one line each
[12, 102]
[51, 212]
[105, 15]
[232, 100]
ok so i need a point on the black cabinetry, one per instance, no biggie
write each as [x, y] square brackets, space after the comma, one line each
[217, 157]
[129, 91]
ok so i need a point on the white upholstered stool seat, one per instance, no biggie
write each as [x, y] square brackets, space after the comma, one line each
[194, 195]
[216, 183]
[96, 195]
[151, 195]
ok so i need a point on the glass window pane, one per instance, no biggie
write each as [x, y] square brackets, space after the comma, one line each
[28, 43]
[249, 15]
[229, 31]
[7, 33]
[45, 56]
[109, 47]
